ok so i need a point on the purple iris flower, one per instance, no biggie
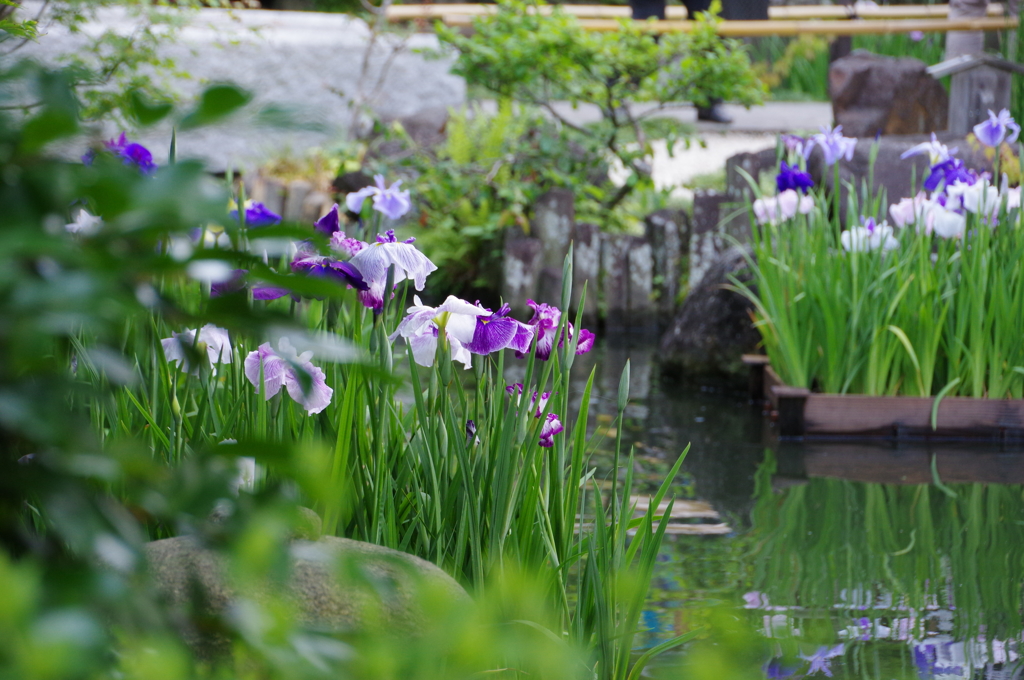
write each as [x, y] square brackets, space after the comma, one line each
[792, 177]
[329, 223]
[257, 215]
[545, 322]
[329, 268]
[497, 331]
[373, 262]
[832, 144]
[552, 426]
[387, 200]
[947, 173]
[132, 153]
[997, 129]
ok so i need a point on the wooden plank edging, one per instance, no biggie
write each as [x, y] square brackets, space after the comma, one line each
[801, 413]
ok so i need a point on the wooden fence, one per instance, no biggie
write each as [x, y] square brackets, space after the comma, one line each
[805, 19]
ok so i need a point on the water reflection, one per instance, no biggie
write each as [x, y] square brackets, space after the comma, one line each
[850, 561]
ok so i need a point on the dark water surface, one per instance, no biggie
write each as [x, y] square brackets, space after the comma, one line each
[840, 560]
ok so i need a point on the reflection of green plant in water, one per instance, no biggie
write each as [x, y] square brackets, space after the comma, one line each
[912, 542]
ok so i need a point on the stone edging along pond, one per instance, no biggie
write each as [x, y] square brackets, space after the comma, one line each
[800, 413]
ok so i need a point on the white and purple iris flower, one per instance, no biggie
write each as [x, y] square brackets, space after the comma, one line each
[373, 261]
[257, 215]
[832, 143]
[497, 332]
[455, 318]
[285, 368]
[937, 152]
[869, 236]
[390, 201]
[1000, 127]
[785, 206]
[213, 340]
[552, 426]
[545, 322]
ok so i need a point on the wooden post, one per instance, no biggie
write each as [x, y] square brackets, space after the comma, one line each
[553, 217]
[298, 190]
[667, 232]
[640, 317]
[615, 280]
[586, 268]
[757, 364]
[790, 408]
[523, 257]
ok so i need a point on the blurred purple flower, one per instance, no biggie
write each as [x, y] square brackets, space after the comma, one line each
[387, 200]
[264, 292]
[284, 368]
[947, 173]
[552, 426]
[373, 262]
[131, 153]
[832, 143]
[916, 36]
[793, 178]
[234, 284]
[329, 223]
[497, 332]
[327, 267]
[997, 129]
[773, 669]
[257, 215]
[346, 246]
[796, 145]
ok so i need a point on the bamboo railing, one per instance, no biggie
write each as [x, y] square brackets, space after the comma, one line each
[796, 20]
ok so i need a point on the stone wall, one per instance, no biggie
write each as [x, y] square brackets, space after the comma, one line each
[632, 282]
[308, 62]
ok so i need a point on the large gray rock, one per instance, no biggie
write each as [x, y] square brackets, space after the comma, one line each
[336, 584]
[872, 94]
[310, 62]
[713, 329]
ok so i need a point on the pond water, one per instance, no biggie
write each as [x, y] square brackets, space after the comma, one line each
[825, 560]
